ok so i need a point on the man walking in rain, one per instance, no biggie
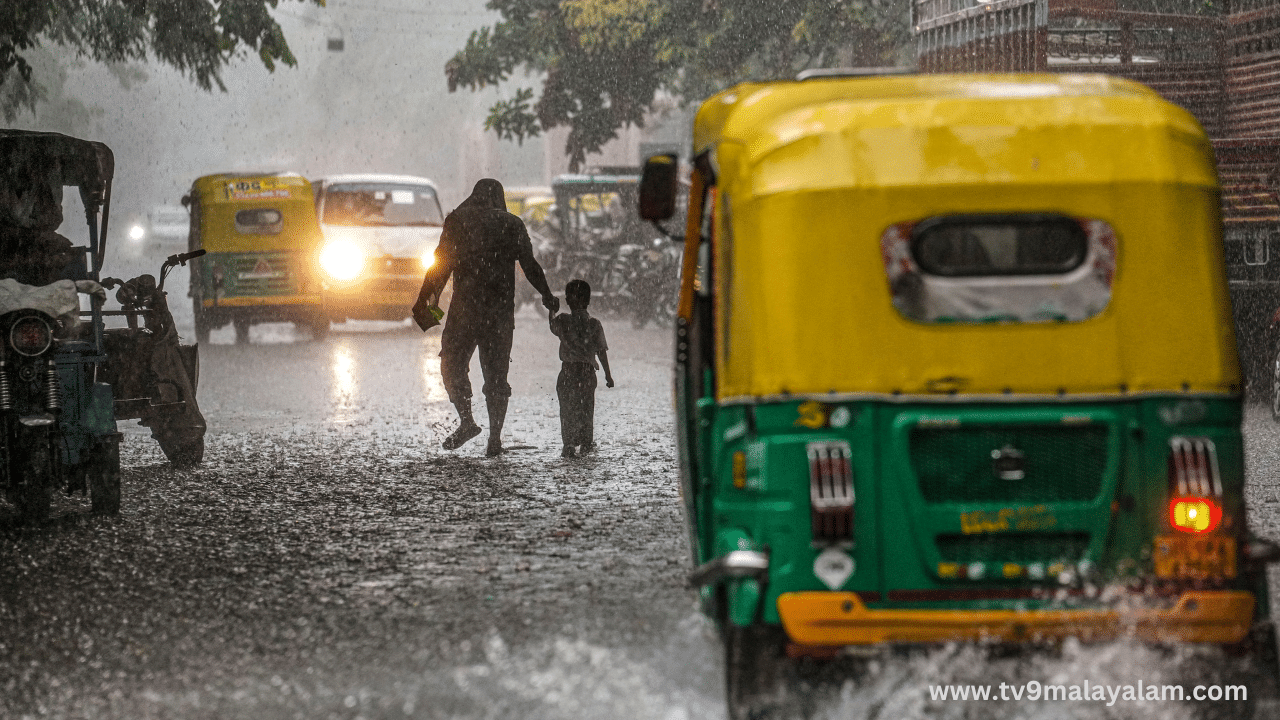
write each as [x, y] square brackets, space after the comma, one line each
[480, 246]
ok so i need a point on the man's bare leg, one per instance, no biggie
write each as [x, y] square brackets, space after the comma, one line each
[497, 416]
[467, 427]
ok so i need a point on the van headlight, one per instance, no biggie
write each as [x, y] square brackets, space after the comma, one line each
[342, 259]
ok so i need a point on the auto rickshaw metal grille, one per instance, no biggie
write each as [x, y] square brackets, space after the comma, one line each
[1013, 547]
[831, 491]
[955, 465]
[264, 273]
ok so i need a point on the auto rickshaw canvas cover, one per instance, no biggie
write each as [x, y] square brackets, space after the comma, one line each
[811, 313]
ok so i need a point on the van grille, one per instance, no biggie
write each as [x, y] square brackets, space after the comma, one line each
[955, 465]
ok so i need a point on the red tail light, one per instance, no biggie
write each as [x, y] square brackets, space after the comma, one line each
[1195, 486]
[1195, 514]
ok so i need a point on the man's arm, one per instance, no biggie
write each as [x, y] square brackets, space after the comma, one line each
[532, 270]
[437, 275]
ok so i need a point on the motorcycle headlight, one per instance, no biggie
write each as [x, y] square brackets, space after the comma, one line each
[30, 336]
[342, 259]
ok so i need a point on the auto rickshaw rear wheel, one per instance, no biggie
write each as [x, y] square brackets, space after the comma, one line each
[33, 462]
[184, 448]
[761, 681]
[242, 330]
[104, 478]
[319, 327]
[1275, 386]
[202, 325]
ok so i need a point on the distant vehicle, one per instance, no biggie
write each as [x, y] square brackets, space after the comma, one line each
[162, 231]
[380, 236]
[168, 224]
[520, 198]
[262, 238]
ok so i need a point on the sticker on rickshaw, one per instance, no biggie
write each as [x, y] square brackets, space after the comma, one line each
[257, 189]
[261, 271]
[813, 414]
[1193, 557]
[1022, 519]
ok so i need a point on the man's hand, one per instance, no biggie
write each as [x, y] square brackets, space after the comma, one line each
[608, 381]
[551, 302]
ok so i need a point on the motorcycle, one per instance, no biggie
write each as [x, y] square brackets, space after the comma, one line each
[154, 375]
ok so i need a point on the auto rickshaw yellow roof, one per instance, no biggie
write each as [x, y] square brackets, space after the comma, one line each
[762, 118]
[811, 174]
[213, 188]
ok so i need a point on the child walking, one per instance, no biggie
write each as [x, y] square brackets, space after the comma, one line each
[581, 340]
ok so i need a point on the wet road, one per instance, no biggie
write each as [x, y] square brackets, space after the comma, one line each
[330, 561]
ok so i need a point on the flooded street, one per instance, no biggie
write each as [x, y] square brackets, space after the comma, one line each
[328, 560]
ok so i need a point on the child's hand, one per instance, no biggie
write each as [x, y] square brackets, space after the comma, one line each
[608, 382]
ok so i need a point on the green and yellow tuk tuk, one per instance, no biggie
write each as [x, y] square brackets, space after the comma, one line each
[955, 362]
[262, 238]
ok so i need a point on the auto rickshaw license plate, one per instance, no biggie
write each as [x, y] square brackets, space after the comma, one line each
[1190, 556]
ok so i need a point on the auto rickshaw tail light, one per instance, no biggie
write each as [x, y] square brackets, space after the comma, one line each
[1195, 485]
[831, 497]
[1194, 514]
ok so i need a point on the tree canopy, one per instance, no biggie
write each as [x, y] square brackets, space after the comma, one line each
[197, 37]
[604, 63]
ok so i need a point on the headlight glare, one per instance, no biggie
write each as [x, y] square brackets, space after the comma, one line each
[428, 258]
[342, 259]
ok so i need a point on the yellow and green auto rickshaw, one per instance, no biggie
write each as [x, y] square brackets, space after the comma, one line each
[263, 240]
[955, 362]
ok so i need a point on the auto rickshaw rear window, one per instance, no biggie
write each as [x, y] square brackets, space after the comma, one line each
[999, 245]
[260, 221]
[1026, 268]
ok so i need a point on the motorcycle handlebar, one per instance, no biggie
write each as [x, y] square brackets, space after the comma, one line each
[182, 258]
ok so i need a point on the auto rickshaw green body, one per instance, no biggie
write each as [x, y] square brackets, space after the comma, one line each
[889, 433]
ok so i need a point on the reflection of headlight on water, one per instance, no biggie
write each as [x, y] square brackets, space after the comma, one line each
[137, 232]
[342, 259]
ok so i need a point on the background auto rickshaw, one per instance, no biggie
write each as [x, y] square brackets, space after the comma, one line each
[955, 362]
[592, 233]
[262, 238]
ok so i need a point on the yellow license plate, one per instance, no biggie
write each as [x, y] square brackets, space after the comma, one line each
[1195, 557]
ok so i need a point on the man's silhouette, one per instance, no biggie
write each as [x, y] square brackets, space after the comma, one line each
[480, 246]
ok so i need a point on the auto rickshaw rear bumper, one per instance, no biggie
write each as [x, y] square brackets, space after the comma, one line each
[841, 618]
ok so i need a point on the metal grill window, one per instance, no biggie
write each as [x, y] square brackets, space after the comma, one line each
[1193, 467]
[954, 465]
[831, 491]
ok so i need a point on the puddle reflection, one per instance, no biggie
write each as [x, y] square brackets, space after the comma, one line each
[344, 380]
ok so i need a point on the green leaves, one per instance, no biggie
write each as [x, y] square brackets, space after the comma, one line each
[198, 37]
[606, 62]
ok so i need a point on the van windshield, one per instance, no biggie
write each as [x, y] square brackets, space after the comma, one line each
[381, 205]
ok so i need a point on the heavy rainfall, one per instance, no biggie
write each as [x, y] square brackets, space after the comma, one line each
[303, 545]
